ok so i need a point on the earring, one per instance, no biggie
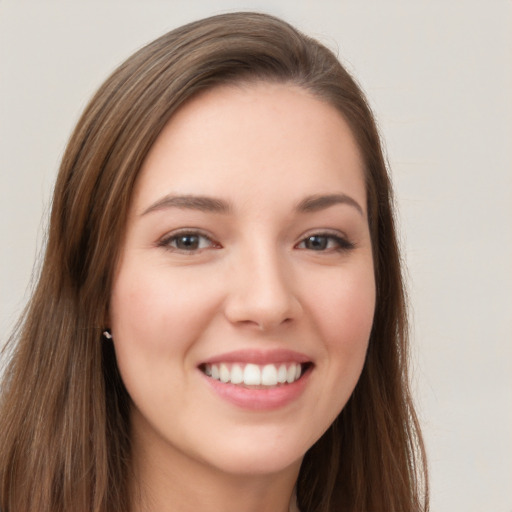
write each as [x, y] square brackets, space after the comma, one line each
[107, 335]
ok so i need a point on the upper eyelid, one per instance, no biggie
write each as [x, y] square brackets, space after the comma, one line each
[186, 231]
[336, 233]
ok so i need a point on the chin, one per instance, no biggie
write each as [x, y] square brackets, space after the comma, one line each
[252, 457]
[258, 465]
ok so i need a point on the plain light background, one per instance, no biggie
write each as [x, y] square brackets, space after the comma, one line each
[439, 78]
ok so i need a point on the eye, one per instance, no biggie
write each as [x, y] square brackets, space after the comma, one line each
[187, 241]
[325, 242]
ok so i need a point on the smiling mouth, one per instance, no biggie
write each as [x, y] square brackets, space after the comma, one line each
[255, 375]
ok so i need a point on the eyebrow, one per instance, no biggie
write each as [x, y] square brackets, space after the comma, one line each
[209, 204]
[321, 202]
[190, 202]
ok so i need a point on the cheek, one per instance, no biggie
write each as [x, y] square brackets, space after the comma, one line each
[345, 309]
[343, 314]
[156, 319]
[159, 309]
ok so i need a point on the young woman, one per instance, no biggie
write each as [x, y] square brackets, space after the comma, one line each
[220, 321]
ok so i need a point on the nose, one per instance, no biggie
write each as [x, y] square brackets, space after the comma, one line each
[261, 292]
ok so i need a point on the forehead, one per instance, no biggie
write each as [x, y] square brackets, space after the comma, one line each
[253, 141]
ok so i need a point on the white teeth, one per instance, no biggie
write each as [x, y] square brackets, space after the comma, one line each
[281, 374]
[290, 374]
[269, 375]
[224, 373]
[237, 374]
[254, 375]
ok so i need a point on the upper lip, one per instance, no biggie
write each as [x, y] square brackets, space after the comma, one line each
[258, 356]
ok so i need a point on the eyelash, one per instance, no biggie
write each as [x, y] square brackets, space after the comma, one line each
[341, 244]
[174, 237]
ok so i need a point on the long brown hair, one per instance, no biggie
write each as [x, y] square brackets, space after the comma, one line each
[64, 429]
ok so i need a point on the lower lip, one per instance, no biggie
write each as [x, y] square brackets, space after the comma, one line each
[259, 399]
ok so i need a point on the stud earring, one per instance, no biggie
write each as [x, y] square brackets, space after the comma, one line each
[107, 335]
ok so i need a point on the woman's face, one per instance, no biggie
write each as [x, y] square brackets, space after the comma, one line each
[247, 262]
